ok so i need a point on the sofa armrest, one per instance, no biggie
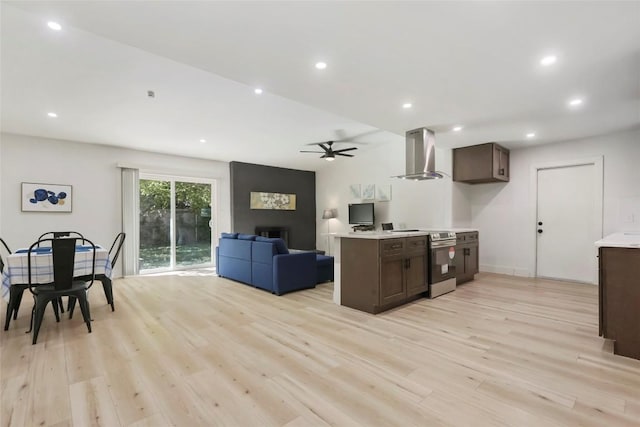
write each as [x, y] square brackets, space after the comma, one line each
[292, 272]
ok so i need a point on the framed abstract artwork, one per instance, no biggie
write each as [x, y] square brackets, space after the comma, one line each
[368, 192]
[383, 193]
[46, 197]
[354, 191]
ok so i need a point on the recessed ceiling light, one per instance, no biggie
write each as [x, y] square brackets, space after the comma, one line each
[575, 102]
[531, 135]
[457, 128]
[203, 141]
[548, 60]
[321, 65]
[54, 26]
[407, 105]
[257, 91]
[52, 115]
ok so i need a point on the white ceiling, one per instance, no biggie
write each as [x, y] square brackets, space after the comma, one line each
[469, 63]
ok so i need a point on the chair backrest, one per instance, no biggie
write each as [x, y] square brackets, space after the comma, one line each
[7, 250]
[117, 244]
[63, 251]
[60, 234]
[64, 257]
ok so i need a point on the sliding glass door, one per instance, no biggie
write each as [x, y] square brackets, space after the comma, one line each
[176, 223]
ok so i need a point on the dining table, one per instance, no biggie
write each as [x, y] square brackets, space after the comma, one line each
[16, 268]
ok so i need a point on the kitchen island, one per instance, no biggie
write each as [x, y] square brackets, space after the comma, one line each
[379, 270]
[376, 271]
[619, 292]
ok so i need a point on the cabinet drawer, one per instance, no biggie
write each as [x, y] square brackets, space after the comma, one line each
[416, 244]
[390, 247]
[467, 237]
[472, 237]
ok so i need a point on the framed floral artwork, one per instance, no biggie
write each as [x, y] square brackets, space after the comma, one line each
[277, 201]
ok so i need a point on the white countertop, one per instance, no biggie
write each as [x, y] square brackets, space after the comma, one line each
[378, 235]
[630, 239]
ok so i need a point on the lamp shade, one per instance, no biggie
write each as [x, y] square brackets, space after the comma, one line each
[329, 213]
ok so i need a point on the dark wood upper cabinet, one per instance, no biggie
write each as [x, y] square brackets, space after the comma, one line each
[481, 163]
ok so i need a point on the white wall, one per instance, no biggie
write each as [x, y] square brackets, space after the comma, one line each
[421, 204]
[91, 170]
[502, 211]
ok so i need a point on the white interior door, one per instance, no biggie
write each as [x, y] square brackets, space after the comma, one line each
[567, 223]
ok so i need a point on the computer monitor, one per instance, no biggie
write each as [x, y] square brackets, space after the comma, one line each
[361, 213]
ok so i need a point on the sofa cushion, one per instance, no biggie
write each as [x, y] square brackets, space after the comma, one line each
[228, 235]
[281, 246]
[324, 265]
[246, 236]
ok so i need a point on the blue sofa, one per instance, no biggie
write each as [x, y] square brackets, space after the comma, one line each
[267, 264]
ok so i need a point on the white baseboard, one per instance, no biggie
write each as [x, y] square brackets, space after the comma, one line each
[511, 271]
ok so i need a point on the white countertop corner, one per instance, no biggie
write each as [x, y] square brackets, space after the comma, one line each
[629, 239]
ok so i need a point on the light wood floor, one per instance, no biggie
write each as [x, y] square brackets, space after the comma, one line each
[203, 351]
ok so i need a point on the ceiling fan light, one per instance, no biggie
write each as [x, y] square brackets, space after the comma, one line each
[330, 158]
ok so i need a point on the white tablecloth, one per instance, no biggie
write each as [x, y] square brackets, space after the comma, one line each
[16, 270]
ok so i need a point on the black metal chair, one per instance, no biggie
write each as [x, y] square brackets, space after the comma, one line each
[6, 249]
[114, 253]
[16, 291]
[15, 295]
[64, 284]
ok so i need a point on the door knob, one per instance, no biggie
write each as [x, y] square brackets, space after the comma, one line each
[539, 231]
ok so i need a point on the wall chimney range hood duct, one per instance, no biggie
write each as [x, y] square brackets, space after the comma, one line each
[420, 155]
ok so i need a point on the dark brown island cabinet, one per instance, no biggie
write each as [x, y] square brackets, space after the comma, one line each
[481, 163]
[467, 246]
[619, 294]
[379, 274]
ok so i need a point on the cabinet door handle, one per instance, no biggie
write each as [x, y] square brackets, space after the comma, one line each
[501, 171]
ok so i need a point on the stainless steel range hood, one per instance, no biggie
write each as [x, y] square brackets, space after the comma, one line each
[420, 155]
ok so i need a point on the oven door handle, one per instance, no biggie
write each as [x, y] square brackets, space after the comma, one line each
[443, 244]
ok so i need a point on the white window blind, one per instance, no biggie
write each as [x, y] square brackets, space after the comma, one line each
[130, 220]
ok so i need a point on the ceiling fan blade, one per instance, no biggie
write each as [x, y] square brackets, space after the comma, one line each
[342, 154]
[360, 135]
[341, 134]
[345, 149]
[324, 147]
[318, 152]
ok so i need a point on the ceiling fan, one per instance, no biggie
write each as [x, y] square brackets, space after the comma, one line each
[329, 153]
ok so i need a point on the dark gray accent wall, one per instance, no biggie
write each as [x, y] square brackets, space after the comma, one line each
[247, 177]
